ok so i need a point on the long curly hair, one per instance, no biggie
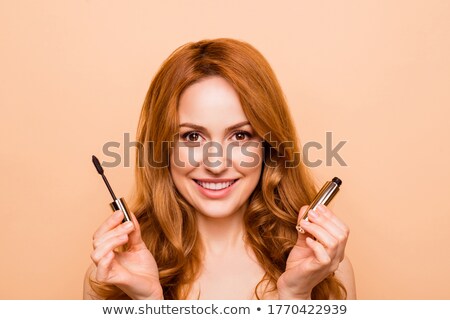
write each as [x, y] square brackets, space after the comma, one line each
[168, 222]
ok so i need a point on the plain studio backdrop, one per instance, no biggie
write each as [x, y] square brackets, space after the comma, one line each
[376, 74]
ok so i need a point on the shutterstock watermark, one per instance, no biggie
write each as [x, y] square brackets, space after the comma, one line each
[213, 154]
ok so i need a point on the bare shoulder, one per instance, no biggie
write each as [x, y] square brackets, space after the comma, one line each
[88, 293]
[346, 275]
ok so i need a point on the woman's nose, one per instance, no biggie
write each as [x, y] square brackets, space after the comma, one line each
[215, 158]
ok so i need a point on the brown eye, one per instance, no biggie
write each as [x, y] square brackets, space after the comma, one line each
[241, 135]
[191, 136]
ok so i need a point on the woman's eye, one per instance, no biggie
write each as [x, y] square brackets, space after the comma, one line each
[191, 136]
[241, 135]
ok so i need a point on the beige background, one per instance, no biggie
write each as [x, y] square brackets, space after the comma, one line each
[375, 73]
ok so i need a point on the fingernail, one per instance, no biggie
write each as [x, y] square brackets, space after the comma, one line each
[313, 214]
[117, 213]
[128, 225]
[305, 222]
[321, 208]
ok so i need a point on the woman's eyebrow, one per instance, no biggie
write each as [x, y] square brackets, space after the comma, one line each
[197, 127]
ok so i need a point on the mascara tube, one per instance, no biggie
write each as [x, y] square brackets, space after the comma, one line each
[120, 204]
[325, 195]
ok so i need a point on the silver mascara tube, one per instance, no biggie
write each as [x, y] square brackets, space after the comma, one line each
[325, 195]
[120, 204]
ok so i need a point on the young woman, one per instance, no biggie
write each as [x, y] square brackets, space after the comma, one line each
[219, 193]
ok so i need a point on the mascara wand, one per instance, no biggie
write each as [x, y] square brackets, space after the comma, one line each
[117, 204]
[100, 171]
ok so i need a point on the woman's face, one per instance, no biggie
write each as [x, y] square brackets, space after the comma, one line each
[217, 159]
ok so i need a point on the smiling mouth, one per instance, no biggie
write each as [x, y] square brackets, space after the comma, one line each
[215, 186]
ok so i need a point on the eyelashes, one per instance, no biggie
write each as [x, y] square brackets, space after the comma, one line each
[196, 134]
[187, 134]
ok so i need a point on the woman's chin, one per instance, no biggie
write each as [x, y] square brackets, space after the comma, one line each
[217, 211]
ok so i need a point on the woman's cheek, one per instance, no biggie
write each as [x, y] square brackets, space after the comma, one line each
[186, 157]
[248, 156]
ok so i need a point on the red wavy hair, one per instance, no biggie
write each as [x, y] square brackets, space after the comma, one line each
[168, 222]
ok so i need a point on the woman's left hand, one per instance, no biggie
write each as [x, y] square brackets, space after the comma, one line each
[311, 261]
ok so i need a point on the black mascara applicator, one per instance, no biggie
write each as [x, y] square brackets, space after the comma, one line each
[117, 204]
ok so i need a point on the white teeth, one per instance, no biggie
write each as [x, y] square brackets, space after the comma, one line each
[215, 186]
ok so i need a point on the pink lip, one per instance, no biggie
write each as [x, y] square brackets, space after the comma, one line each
[215, 194]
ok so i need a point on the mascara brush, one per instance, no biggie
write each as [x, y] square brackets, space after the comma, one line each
[117, 204]
[101, 172]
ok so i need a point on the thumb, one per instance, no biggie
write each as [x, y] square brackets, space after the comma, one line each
[302, 234]
[134, 237]
[301, 213]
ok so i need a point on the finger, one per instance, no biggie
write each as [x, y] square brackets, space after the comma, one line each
[121, 229]
[110, 271]
[104, 267]
[135, 239]
[324, 211]
[328, 225]
[301, 215]
[323, 236]
[107, 246]
[113, 221]
[320, 252]
[329, 221]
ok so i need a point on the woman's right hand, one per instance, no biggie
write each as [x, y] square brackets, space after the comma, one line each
[134, 270]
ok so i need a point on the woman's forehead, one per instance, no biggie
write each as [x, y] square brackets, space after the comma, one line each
[211, 103]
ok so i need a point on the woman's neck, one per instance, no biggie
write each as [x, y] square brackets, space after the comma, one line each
[222, 235]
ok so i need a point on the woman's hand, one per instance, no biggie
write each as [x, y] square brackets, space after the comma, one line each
[311, 261]
[134, 270]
